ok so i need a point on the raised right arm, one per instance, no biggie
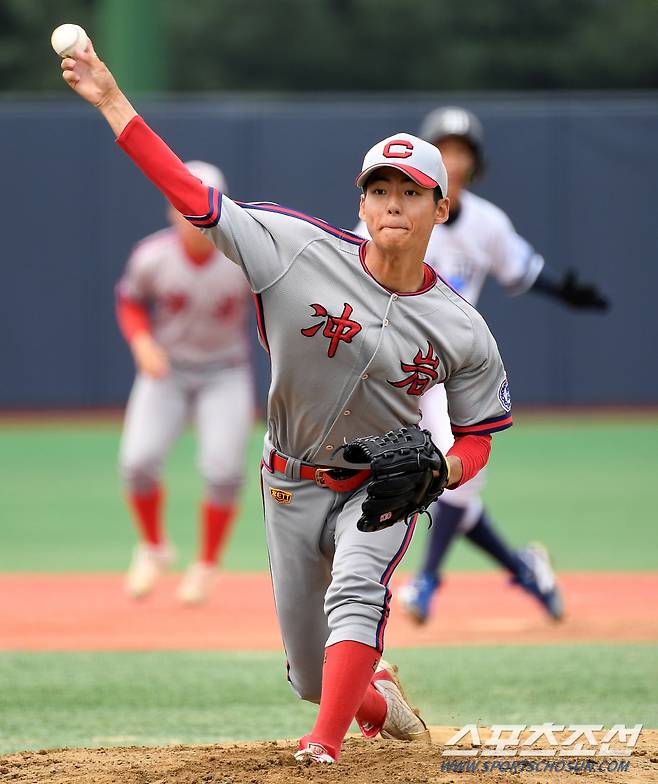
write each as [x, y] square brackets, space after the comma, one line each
[262, 241]
[90, 78]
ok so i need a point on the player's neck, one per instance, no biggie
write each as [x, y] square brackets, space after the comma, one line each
[197, 253]
[402, 272]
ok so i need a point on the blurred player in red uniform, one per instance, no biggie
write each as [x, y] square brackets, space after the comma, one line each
[182, 307]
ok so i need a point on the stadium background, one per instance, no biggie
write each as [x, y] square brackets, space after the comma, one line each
[570, 170]
[576, 171]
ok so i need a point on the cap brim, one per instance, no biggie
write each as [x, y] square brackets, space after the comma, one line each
[415, 174]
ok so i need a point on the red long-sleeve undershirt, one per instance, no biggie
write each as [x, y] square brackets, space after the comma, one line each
[164, 168]
[474, 452]
[132, 317]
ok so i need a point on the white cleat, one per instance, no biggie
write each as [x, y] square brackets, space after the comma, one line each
[197, 583]
[314, 752]
[402, 721]
[148, 563]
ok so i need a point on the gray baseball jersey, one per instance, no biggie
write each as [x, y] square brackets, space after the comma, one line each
[199, 312]
[349, 357]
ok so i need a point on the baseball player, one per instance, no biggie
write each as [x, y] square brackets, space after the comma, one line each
[478, 240]
[357, 331]
[182, 307]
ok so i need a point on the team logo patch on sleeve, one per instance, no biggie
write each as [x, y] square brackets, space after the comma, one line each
[281, 496]
[504, 395]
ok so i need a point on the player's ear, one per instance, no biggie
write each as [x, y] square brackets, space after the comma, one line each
[442, 211]
[362, 210]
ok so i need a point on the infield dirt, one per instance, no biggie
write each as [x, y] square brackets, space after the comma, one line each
[362, 762]
[70, 612]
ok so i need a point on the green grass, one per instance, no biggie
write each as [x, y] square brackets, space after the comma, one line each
[49, 700]
[585, 486]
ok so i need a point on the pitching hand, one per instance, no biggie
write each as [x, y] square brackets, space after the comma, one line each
[89, 77]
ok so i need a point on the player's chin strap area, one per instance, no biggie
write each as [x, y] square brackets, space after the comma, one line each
[340, 480]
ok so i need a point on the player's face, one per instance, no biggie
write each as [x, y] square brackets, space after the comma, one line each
[399, 214]
[459, 160]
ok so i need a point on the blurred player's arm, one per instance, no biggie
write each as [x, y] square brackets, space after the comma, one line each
[569, 290]
[519, 268]
[134, 321]
[135, 326]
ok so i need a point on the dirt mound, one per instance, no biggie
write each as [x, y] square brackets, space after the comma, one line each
[362, 762]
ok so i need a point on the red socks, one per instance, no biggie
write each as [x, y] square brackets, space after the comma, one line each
[371, 715]
[215, 526]
[215, 522]
[148, 516]
[348, 670]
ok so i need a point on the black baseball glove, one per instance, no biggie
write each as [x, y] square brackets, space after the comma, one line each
[570, 290]
[403, 464]
[581, 295]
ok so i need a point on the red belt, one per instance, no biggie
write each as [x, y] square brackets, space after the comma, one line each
[323, 477]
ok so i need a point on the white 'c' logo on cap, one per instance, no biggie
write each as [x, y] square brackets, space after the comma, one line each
[390, 153]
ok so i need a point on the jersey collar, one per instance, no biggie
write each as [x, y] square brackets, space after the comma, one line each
[429, 276]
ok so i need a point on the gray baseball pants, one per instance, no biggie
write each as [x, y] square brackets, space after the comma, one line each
[330, 580]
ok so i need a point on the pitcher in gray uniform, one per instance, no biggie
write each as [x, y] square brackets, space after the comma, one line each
[182, 307]
[357, 331]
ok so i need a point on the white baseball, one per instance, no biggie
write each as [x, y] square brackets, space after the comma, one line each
[67, 39]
